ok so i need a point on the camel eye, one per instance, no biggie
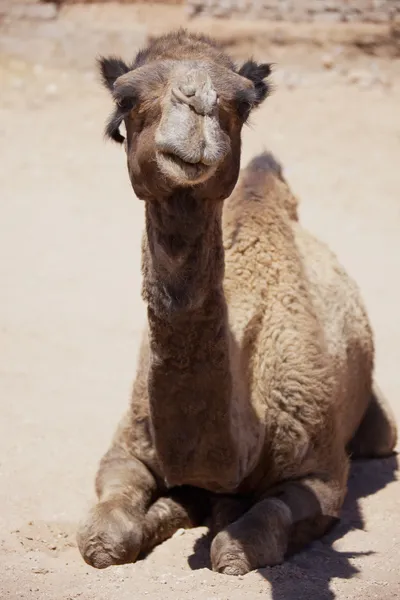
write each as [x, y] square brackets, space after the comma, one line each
[243, 109]
[244, 103]
[126, 103]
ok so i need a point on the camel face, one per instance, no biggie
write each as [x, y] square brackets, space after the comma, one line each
[184, 124]
[184, 110]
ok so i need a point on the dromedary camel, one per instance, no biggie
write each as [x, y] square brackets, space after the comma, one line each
[254, 381]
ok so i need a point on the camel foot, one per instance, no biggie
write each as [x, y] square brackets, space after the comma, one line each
[259, 538]
[109, 536]
[228, 556]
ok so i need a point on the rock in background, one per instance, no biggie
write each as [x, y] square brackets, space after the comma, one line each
[367, 11]
[370, 11]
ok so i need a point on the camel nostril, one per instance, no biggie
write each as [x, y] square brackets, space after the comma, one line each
[203, 103]
[197, 91]
[178, 94]
[187, 89]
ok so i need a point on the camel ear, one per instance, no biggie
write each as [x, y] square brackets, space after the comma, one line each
[257, 73]
[110, 69]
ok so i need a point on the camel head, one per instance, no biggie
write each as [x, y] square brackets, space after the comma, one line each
[183, 103]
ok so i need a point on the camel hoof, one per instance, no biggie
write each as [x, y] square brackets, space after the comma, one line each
[228, 557]
[235, 569]
[109, 536]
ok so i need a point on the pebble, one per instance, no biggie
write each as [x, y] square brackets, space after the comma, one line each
[179, 532]
[40, 570]
[52, 547]
[359, 77]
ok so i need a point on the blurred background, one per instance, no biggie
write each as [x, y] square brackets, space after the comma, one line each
[70, 307]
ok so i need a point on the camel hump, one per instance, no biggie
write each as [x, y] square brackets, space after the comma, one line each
[266, 163]
[263, 179]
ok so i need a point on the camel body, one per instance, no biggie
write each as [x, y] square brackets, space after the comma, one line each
[255, 374]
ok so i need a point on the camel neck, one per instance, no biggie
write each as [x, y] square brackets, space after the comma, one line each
[183, 256]
[190, 381]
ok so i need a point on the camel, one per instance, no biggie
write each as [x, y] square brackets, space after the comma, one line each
[254, 384]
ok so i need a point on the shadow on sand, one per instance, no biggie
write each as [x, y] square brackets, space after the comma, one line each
[309, 573]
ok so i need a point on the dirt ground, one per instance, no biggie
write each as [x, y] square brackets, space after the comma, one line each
[71, 314]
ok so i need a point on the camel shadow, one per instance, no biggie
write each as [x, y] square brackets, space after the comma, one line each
[308, 574]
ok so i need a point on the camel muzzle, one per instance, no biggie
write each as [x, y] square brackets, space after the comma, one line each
[189, 128]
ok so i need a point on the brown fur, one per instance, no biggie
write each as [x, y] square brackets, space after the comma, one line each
[255, 371]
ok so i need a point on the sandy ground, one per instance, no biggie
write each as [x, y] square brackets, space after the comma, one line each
[71, 314]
